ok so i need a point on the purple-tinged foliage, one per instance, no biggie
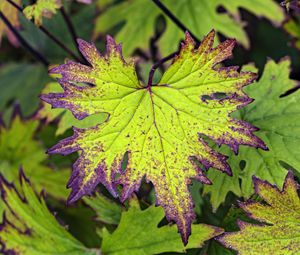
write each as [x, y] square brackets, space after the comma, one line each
[279, 217]
[27, 222]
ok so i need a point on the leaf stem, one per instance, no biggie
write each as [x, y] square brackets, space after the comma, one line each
[157, 64]
[179, 24]
[176, 21]
[25, 44]
[49, 34]
[59, 43]
[71, 30]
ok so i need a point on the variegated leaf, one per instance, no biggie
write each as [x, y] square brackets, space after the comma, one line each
[160, 126]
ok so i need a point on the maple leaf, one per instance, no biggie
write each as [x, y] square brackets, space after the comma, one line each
[66, 119]
[42, 8]
[138, 19]
[18, 149]
[143, 236]
[11, 14]
[278, 119]
[280, 217]
[28, 222]
[156, 125]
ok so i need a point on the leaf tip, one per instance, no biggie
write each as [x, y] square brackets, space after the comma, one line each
[188, 41]
[22, 176]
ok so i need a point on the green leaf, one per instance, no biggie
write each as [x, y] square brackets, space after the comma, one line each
[138, 233]
[11, 13]
[22, 82]
[106, 210]
[196, 195]
[293, 28]
[58, 27]
[216, 248]
[156, 125]
[66, 119]
[102, 4]
[201, 16]
[18, 149]
[280, 217]
[279, 121]
[29, 227]
[221, 185]
[80, 222]
[138, 17]
[42, 8]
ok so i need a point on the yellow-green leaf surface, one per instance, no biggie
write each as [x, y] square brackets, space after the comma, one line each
[29, 228]
[138, 233]
[278, 119]
[158, 125]
[138, 19]
[11, 13]
[279, 233]
[66, 119]
[42, 8]
[293, 28]
[18, 149]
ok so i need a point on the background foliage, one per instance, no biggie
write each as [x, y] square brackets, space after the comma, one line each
[34, 205]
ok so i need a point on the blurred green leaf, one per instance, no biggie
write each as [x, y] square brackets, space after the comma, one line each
[137, 19]
[42, 8]
[22, 83]
[202, 16]
[217, 249]
[82, 21]
[11, 14]
[293, 28]
[18, 149]
[195, 190]
[30, 229]
[106, 210]
[80, 221]
[101, 4]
